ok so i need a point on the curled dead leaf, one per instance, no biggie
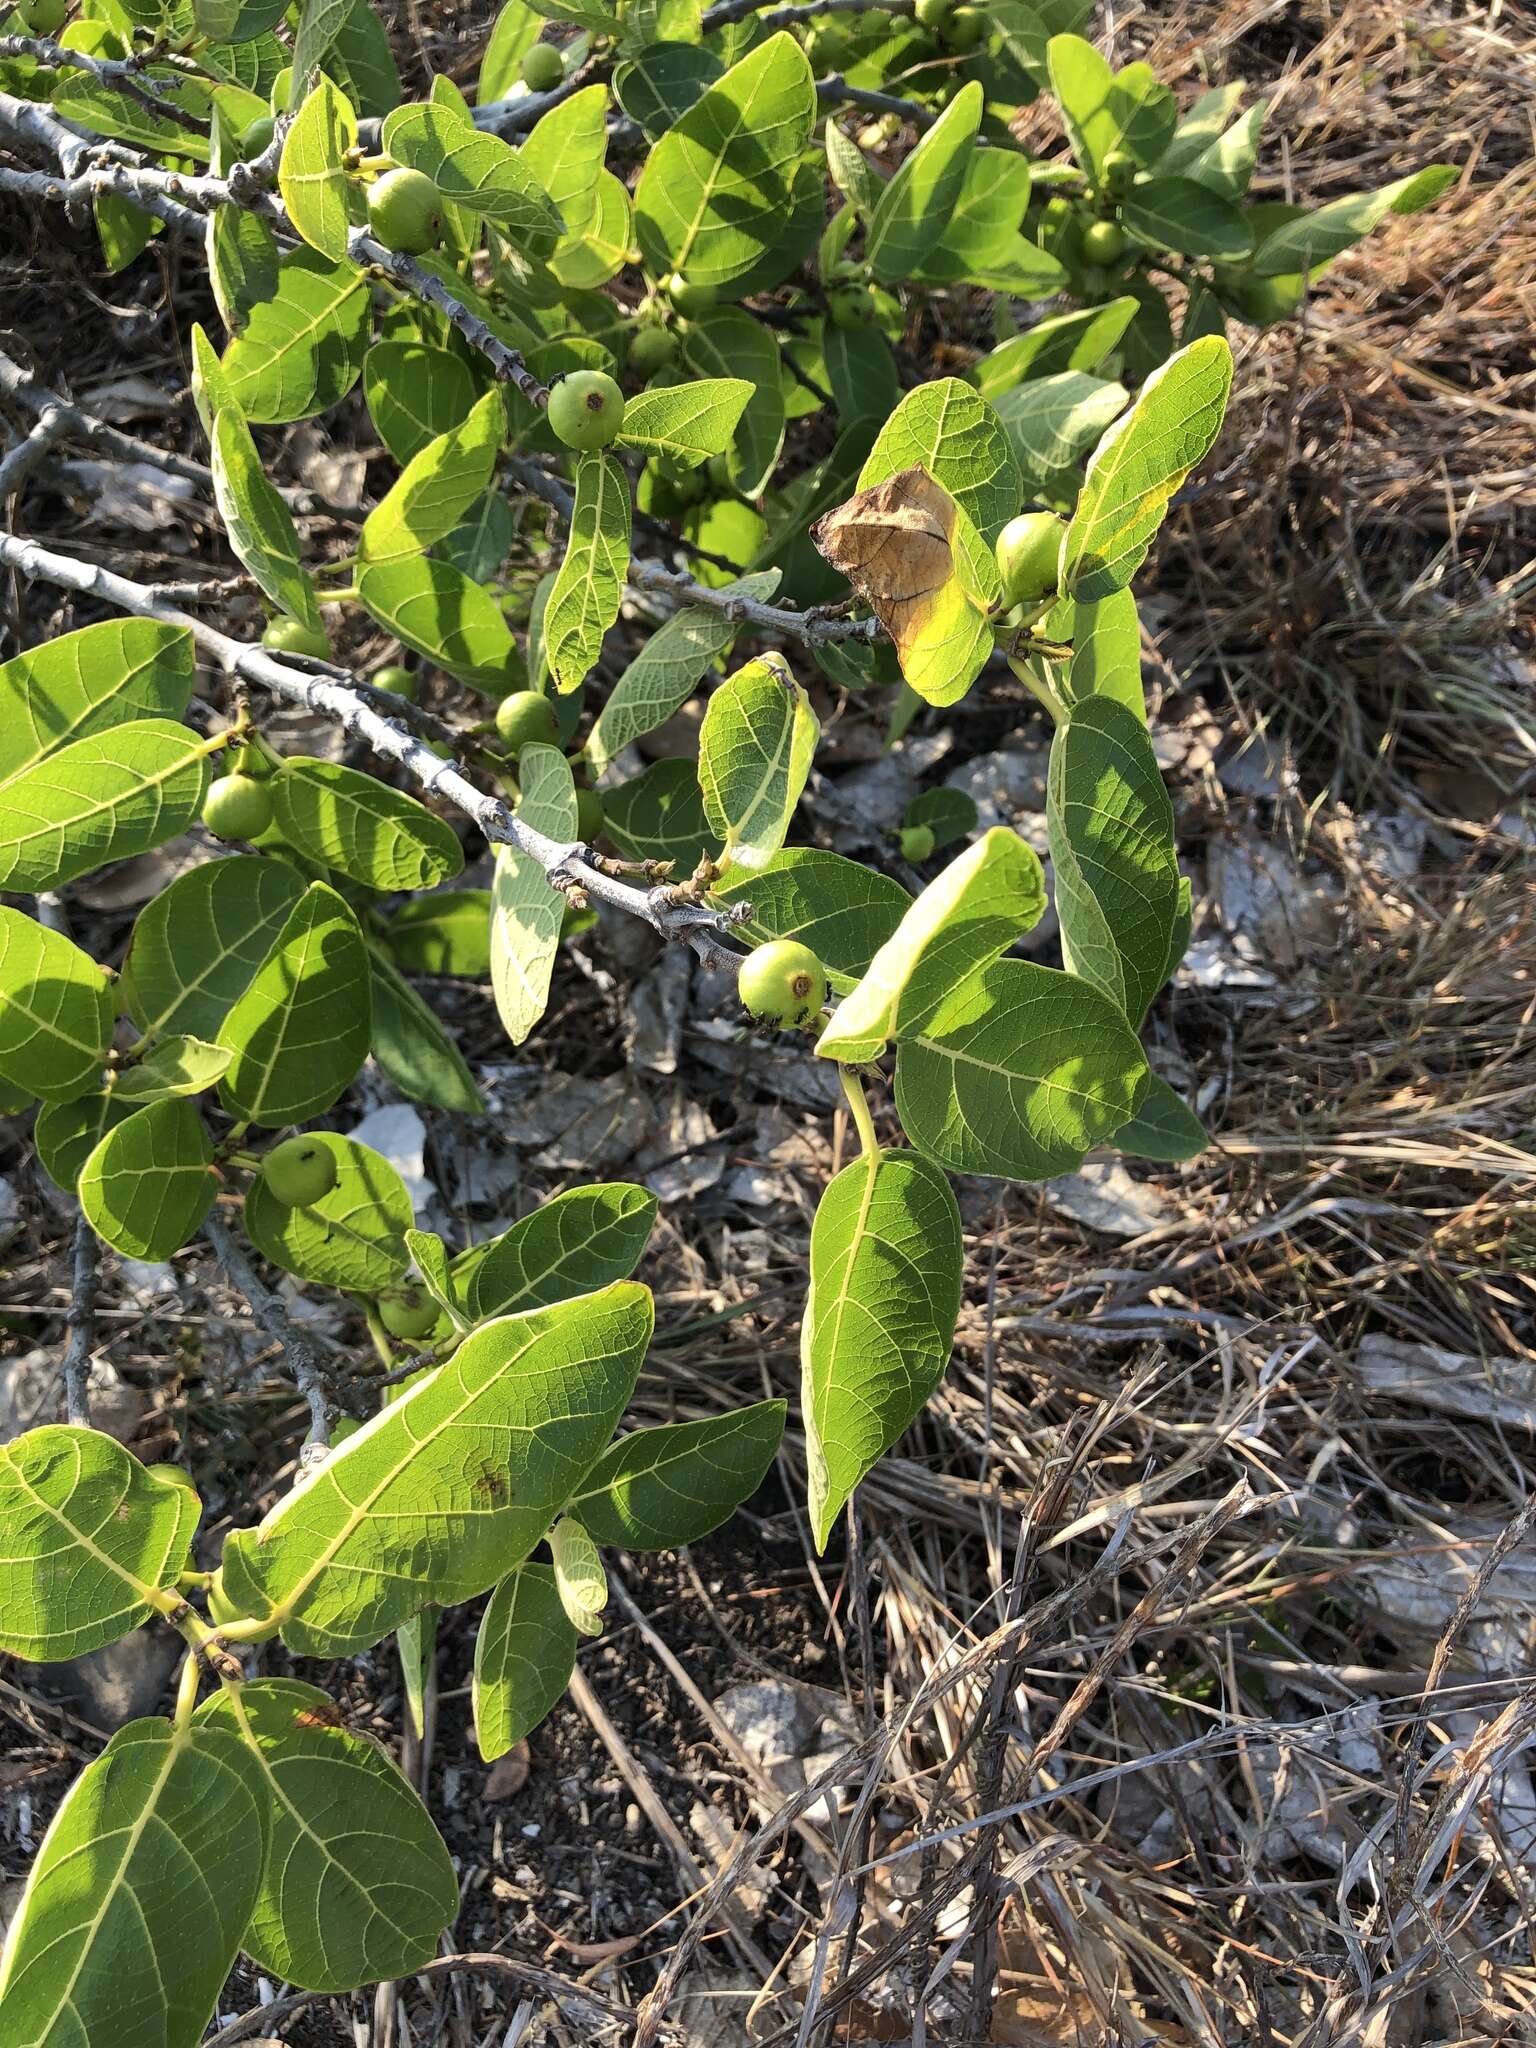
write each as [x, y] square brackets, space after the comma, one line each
[915, 559]
[892, 542]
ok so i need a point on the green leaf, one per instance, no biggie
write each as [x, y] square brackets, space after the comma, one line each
[1163, 1128]
[56, 1011]
[852, 172]
[150, 1182]
[1105, 110]
[525, 1653]
[416, 1645]
[658, 86]
[952, 432]
[358, 1883]
[312, 176]
[437, 486]
[67, 1133]
[429, 1255]
[358, 825]
[726, 342]
[564, 151]
[1070, 341]
[1227, 165]
[476, 170]
[659, 815]
[91, 1540]
[580, 1580]
[135, 1907]
[446, 933]
[362, 59]
[414, 393]
[714, 193]
[1022, 1072]
[755, 748]
[353, 1237]
[842, 910]
[413, 1048]
[259, 525]
[450, 1487]
[243, 264]
[861, 372]
[948, 813]
[658, 1488]
[1138, 466]
[886, 1261]
[1318, 237]
[1106, 653]
[1178, 213]
[686, 422]
[319, 24]
[176, 1066]
[87, 682]
[515, 31]
[983, 245]
[984, 901]
[603, 246]
[196, 945]
[301, 1029]
[590, 585]
[664, 674]
[582, 1240]
[1110, 824]
[103, 798]
[1201, 126]
[1051, 420]
[436, 611]
[527, 911]
[914, 209]
[302, 349]
[482, 539]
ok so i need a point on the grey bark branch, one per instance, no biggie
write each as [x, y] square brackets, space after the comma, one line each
[118, 74]
[75, 1367]
[300, 1359]
[19, 462]
[337, 695]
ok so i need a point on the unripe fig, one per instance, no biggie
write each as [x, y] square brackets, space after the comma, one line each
[1120, 169]
[589, 814]
[526, 716]
[397, 679]
[851, 306]
[299, 1172]
[408, 1313]
[543, 68]
[292, 636]
[934, 13]
[652, 348]
[690, 298]
[1104, 242]
[237, 807]
[257, 137]
[916, 842]
[405, 211]
[43, 17]
[783, 983]
[965, 29]
[586, 409]
[1028, 556]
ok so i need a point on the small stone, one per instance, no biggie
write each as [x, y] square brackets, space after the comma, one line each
[770, 1720]
[509, 1774]
[120, 1683]
[31, 1392]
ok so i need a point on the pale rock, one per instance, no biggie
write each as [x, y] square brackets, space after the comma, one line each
[31, 1392]
[120, 1683]
[398, 1133]
[1105, 1197]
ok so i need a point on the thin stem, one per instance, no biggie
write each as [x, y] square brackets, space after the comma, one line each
[863, 1119]
[186, 1691]
[299, 1354]
[81, 1324]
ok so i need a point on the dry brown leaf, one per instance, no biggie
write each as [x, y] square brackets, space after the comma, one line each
[509, 1774]
[892, 542]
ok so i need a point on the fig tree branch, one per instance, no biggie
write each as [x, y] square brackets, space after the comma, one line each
[335, 693]
[75, 1367]
[117, 74]
[300, 1359]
